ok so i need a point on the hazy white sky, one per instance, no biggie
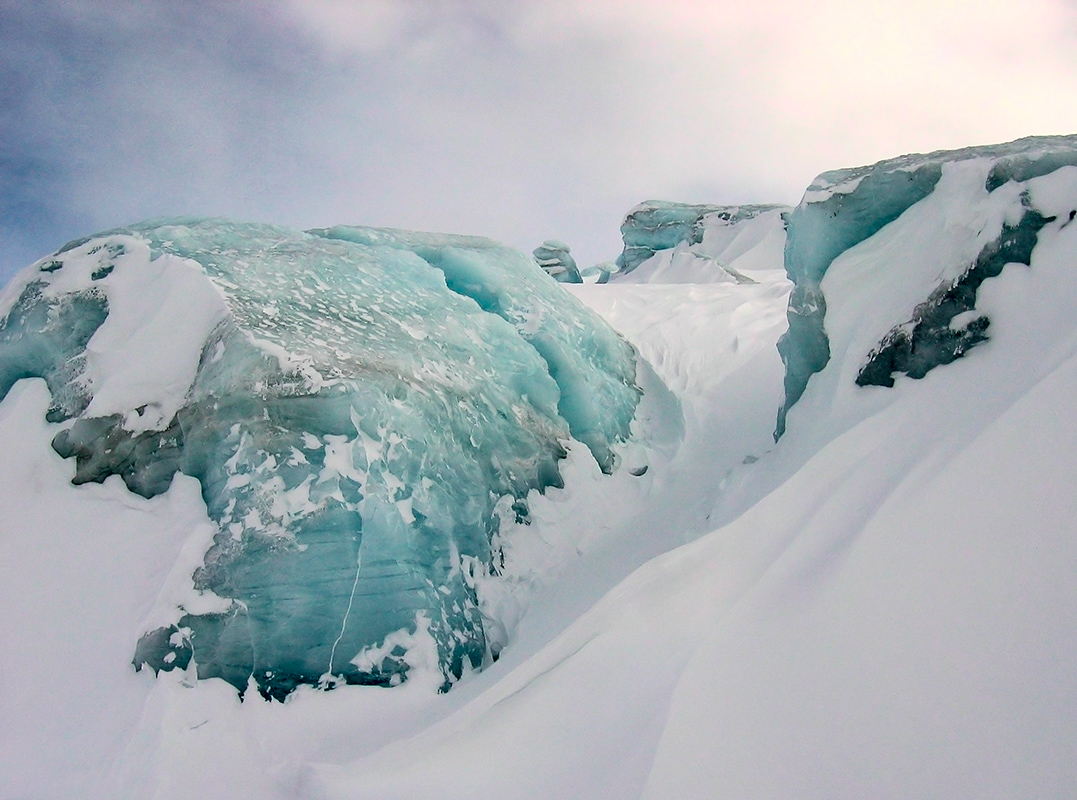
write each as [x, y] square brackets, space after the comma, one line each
[521, 121]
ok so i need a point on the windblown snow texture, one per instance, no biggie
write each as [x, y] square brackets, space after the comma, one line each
[845, 207]
[360, 406]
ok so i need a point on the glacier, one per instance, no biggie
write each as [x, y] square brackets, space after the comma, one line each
[555, 258]
[881, 602]
[362, 407]
[845, 207]
[659, 225]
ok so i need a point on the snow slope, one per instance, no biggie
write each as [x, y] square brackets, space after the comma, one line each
[894, 619]
[883, 603]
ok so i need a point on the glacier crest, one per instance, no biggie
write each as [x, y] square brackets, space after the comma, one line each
[658, 225]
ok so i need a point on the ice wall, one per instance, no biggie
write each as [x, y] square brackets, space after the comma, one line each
[592, 365]
[726, 245]
[843, 208]
[658, 225]
[556, 260]
[361, 407]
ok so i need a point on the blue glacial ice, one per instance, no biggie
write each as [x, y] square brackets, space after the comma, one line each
[593, 367]
[845, 207]
[555, 258]
[658, 225]
[362, 407]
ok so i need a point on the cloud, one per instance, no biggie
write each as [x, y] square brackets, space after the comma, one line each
[521, 121]
[584, 103]
[124, 112]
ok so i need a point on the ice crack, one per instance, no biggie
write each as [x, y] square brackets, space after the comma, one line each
[347, 613]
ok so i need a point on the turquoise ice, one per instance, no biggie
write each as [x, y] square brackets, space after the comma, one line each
[555, 258]
[845, 207]
[661, 225]
[361, 406]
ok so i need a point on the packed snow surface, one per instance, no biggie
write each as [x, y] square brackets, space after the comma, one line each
[882, 603]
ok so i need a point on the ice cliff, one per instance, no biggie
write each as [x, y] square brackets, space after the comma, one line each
[985, 201]
[881, 603]
[680, 243]
[362, 408]
[556, 260]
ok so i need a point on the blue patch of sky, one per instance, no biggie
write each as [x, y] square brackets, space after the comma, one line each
[112, 112]
[121, 111]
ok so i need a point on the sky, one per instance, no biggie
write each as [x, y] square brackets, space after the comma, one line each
[520, 121]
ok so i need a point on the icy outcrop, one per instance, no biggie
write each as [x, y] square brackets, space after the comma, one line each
[556, 261]
[593, 367]
[361, 407]
[679, 243]
[843, 208]
[945, 326]
[600, 272]
[658, 225]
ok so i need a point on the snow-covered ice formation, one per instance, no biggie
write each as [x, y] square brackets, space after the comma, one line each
[845, 207]
[700, 242]
[885, 603]
[361, 407]
[555, 258]
[881, 603]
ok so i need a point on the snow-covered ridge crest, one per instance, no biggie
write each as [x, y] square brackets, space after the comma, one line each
[360, 407]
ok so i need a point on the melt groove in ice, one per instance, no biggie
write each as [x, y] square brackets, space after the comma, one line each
[361, 406]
